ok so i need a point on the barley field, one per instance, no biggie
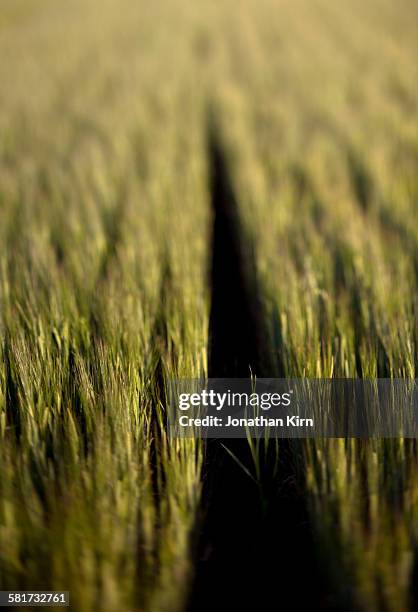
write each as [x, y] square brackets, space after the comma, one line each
[106, 250]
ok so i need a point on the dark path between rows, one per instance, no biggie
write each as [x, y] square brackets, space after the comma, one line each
[254, 547]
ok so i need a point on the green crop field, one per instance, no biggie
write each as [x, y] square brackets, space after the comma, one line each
[105, 294]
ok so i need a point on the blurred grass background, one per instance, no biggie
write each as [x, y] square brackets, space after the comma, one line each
[105, 232]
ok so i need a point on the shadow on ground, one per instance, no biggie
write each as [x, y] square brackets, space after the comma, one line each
[254, 546]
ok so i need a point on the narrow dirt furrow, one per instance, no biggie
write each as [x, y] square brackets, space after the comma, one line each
[254, 547]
